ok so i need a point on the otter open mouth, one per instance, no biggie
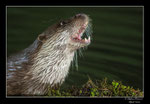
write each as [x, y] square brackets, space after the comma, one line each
[81, 35]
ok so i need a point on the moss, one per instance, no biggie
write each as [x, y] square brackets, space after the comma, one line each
[99, 88]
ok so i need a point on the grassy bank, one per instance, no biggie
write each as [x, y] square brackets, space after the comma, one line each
[99, 88]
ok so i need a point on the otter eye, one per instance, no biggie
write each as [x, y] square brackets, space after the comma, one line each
[63, 23]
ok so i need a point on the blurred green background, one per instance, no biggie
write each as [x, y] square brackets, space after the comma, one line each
[116, 50]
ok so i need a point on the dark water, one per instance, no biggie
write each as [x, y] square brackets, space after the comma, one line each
[116, 49]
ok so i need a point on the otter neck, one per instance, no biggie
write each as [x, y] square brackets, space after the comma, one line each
[52, 62]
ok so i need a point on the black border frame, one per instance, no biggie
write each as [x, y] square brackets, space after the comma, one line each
[3, 98]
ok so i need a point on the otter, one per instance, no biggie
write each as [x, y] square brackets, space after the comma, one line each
[46, 62]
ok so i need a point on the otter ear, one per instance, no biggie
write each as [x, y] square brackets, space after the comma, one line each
[42, 37]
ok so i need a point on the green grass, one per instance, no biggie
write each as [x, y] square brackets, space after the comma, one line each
[99, 88]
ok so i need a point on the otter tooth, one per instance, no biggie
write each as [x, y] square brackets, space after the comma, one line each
[85, 40]
[81, 34]
[89, 39]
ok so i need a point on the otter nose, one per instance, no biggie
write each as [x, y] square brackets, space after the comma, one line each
[80, 15]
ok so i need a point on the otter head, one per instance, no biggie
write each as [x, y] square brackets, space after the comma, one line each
[73, 33]
[56, 47]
